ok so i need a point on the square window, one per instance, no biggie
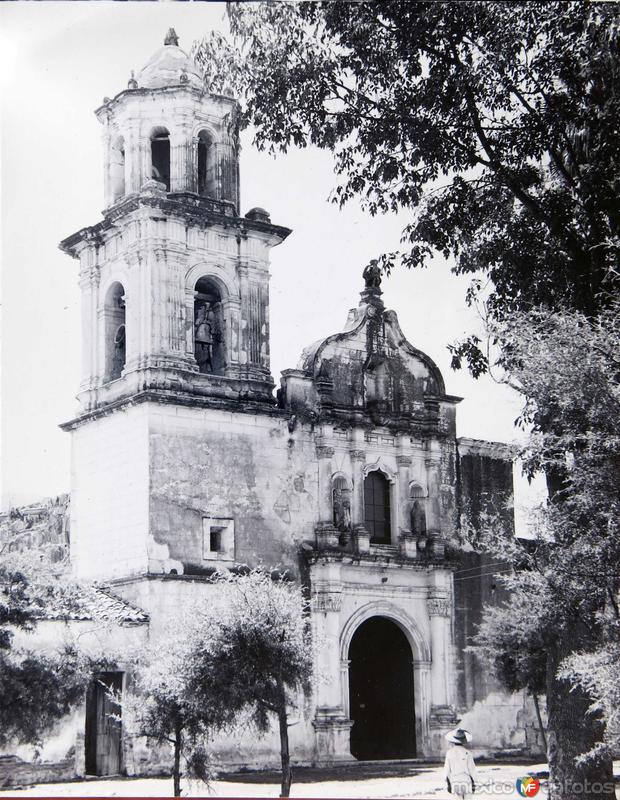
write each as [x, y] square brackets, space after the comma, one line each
[218, 539]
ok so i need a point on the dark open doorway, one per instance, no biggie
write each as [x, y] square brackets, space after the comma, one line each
[103, 726]
[381, 692]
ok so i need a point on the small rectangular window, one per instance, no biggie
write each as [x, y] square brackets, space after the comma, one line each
[218, 539]
[215, 540]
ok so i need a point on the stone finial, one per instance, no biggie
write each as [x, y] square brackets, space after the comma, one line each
[258, 215]
[132, 83]
[171, 37]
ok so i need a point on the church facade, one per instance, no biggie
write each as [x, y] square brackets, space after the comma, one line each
[185, 461]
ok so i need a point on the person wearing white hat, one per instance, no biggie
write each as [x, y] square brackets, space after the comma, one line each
[459, 767]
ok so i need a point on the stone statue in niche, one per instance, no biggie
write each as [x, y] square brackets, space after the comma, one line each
[206, 335]
[342, 506]
[372, 275]
[418, 518]
[118, 359]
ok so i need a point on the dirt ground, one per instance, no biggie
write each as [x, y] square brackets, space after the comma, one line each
[404, 780]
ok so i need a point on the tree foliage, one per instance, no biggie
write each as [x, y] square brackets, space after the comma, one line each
[36, 688]
[495, 125]
[261, 655]
[242, 656]
[563, 599]
[598, 674]
[174, 702]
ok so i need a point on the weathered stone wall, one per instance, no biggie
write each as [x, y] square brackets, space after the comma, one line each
[42, 526]
[485, 493]
[15, 772]
[212, 464]
[60, 754]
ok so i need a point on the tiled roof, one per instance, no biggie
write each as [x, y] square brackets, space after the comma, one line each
[93, 603]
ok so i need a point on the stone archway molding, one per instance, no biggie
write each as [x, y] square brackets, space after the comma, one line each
[420, 648]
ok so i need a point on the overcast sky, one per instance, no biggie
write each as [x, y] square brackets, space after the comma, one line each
[57, 62]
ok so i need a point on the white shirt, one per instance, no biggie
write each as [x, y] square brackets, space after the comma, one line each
[460, 770]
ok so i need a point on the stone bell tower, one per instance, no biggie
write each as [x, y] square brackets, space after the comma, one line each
[174, 291]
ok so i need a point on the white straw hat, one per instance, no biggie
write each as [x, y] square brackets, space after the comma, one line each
[459, 736]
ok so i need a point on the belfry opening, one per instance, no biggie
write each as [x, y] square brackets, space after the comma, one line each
[381, 692]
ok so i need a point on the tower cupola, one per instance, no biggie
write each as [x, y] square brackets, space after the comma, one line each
[167, 127]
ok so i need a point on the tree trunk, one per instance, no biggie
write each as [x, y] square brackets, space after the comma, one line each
[287, 774]
[541, 727]
[572, 731]
[176, 768]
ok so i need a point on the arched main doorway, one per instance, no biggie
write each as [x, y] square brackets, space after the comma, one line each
[381, 692]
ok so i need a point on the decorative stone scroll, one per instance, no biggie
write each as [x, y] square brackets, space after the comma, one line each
[324, 452]
[442, 716]
[403, 461]
[438, 606]
[358, 455]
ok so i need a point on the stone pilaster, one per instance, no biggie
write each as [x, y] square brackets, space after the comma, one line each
[324, 455]
[106, 140]
[406, 542]
[433, 506]
[330, 723]
[439, 610]
[91, 329]
[358, 460]
[133, 161]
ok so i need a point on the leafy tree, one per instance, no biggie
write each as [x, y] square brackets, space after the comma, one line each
[494, 124]
[36, 689]
[563, 599]
[174, 701]
[261, 657]
[598, 674]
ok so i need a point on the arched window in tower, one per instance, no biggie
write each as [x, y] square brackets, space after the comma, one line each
[209, 345]
[117, 168]
[206, 165]
[115, 347]
[160, 156]
[341, 502]
[418, 510]
[377, 508]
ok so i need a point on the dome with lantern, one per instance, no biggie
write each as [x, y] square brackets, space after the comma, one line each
[170, 66]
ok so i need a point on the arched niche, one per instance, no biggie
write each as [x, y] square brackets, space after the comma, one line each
[209, 327]
[114, 324]
[206, 179]
[117, 168]
[417, 511]
[341, 503]
[160, 155]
